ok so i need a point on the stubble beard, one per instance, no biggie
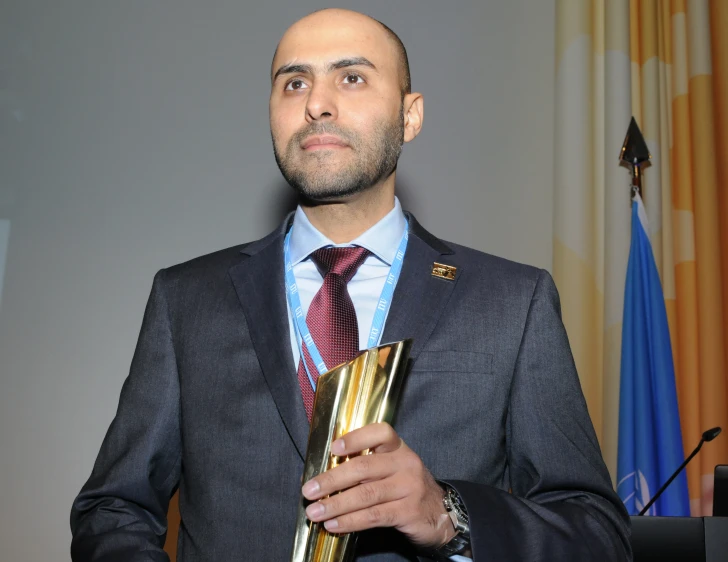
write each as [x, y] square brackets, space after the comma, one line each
[319, 180]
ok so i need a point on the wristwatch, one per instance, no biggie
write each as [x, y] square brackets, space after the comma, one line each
[459, 516]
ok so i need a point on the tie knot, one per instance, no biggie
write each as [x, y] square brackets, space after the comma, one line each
[341, 261]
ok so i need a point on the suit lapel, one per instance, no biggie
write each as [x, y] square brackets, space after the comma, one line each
[259, 283]
[419, 298]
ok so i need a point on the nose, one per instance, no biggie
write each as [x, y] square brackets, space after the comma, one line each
[321, 103]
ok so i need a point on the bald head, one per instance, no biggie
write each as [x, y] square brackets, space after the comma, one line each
[340, 106]
[402, 59]
[329, 16]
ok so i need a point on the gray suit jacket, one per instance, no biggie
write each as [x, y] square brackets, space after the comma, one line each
[492, 403]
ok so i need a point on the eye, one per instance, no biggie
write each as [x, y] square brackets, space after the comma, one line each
[295, 84]
[353, 79]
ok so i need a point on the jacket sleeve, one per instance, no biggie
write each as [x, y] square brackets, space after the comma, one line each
[562, 505]
[120, 513]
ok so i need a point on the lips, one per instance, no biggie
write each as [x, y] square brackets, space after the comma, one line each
[323, 141]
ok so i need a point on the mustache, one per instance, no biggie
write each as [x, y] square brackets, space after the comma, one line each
[323, 129]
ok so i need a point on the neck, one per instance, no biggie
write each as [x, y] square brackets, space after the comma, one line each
[343, 221]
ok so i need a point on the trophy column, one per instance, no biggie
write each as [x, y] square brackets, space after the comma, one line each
[363, 391]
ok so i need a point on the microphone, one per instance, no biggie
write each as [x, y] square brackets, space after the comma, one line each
[707, 436]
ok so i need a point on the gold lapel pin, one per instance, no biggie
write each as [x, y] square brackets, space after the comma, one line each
[445, 271]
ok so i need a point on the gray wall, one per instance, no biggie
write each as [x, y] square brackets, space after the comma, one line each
[134, 135]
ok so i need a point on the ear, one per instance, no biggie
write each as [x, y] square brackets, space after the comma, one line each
[414, 113]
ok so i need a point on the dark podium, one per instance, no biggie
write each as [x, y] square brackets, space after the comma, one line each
[669, 539]
[680, 539]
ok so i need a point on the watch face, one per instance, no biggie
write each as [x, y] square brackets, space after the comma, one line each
[457, 504]
[459, 517]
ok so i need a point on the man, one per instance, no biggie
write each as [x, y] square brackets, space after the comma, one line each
[222, 379]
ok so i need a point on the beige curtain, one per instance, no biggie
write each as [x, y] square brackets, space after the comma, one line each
[666, 63]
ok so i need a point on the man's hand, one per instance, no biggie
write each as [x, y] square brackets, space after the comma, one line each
[389, 488]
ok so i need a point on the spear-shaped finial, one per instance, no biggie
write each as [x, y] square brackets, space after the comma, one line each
[635, 155]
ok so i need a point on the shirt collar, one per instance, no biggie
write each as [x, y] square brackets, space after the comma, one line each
[382, 239]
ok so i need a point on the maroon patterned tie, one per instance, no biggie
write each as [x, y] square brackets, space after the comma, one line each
[331, 318]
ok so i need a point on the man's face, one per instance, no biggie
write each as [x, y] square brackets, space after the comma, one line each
[336, 110]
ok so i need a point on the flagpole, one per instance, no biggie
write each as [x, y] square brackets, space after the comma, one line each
[650, 437]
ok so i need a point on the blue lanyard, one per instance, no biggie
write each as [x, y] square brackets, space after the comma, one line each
[303, 335]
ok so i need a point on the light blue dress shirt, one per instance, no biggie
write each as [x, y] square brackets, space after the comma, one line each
[365, 288]
[382, 240]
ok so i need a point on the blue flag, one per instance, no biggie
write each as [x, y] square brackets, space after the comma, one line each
[650, 440]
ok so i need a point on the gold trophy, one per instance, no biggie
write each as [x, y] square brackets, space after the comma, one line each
[363, 391]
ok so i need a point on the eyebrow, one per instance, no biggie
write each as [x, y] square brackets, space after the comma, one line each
[335, 65]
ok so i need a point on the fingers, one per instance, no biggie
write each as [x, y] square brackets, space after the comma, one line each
[379, 437]
[382, 515]
[357, 499]
[364, 468]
